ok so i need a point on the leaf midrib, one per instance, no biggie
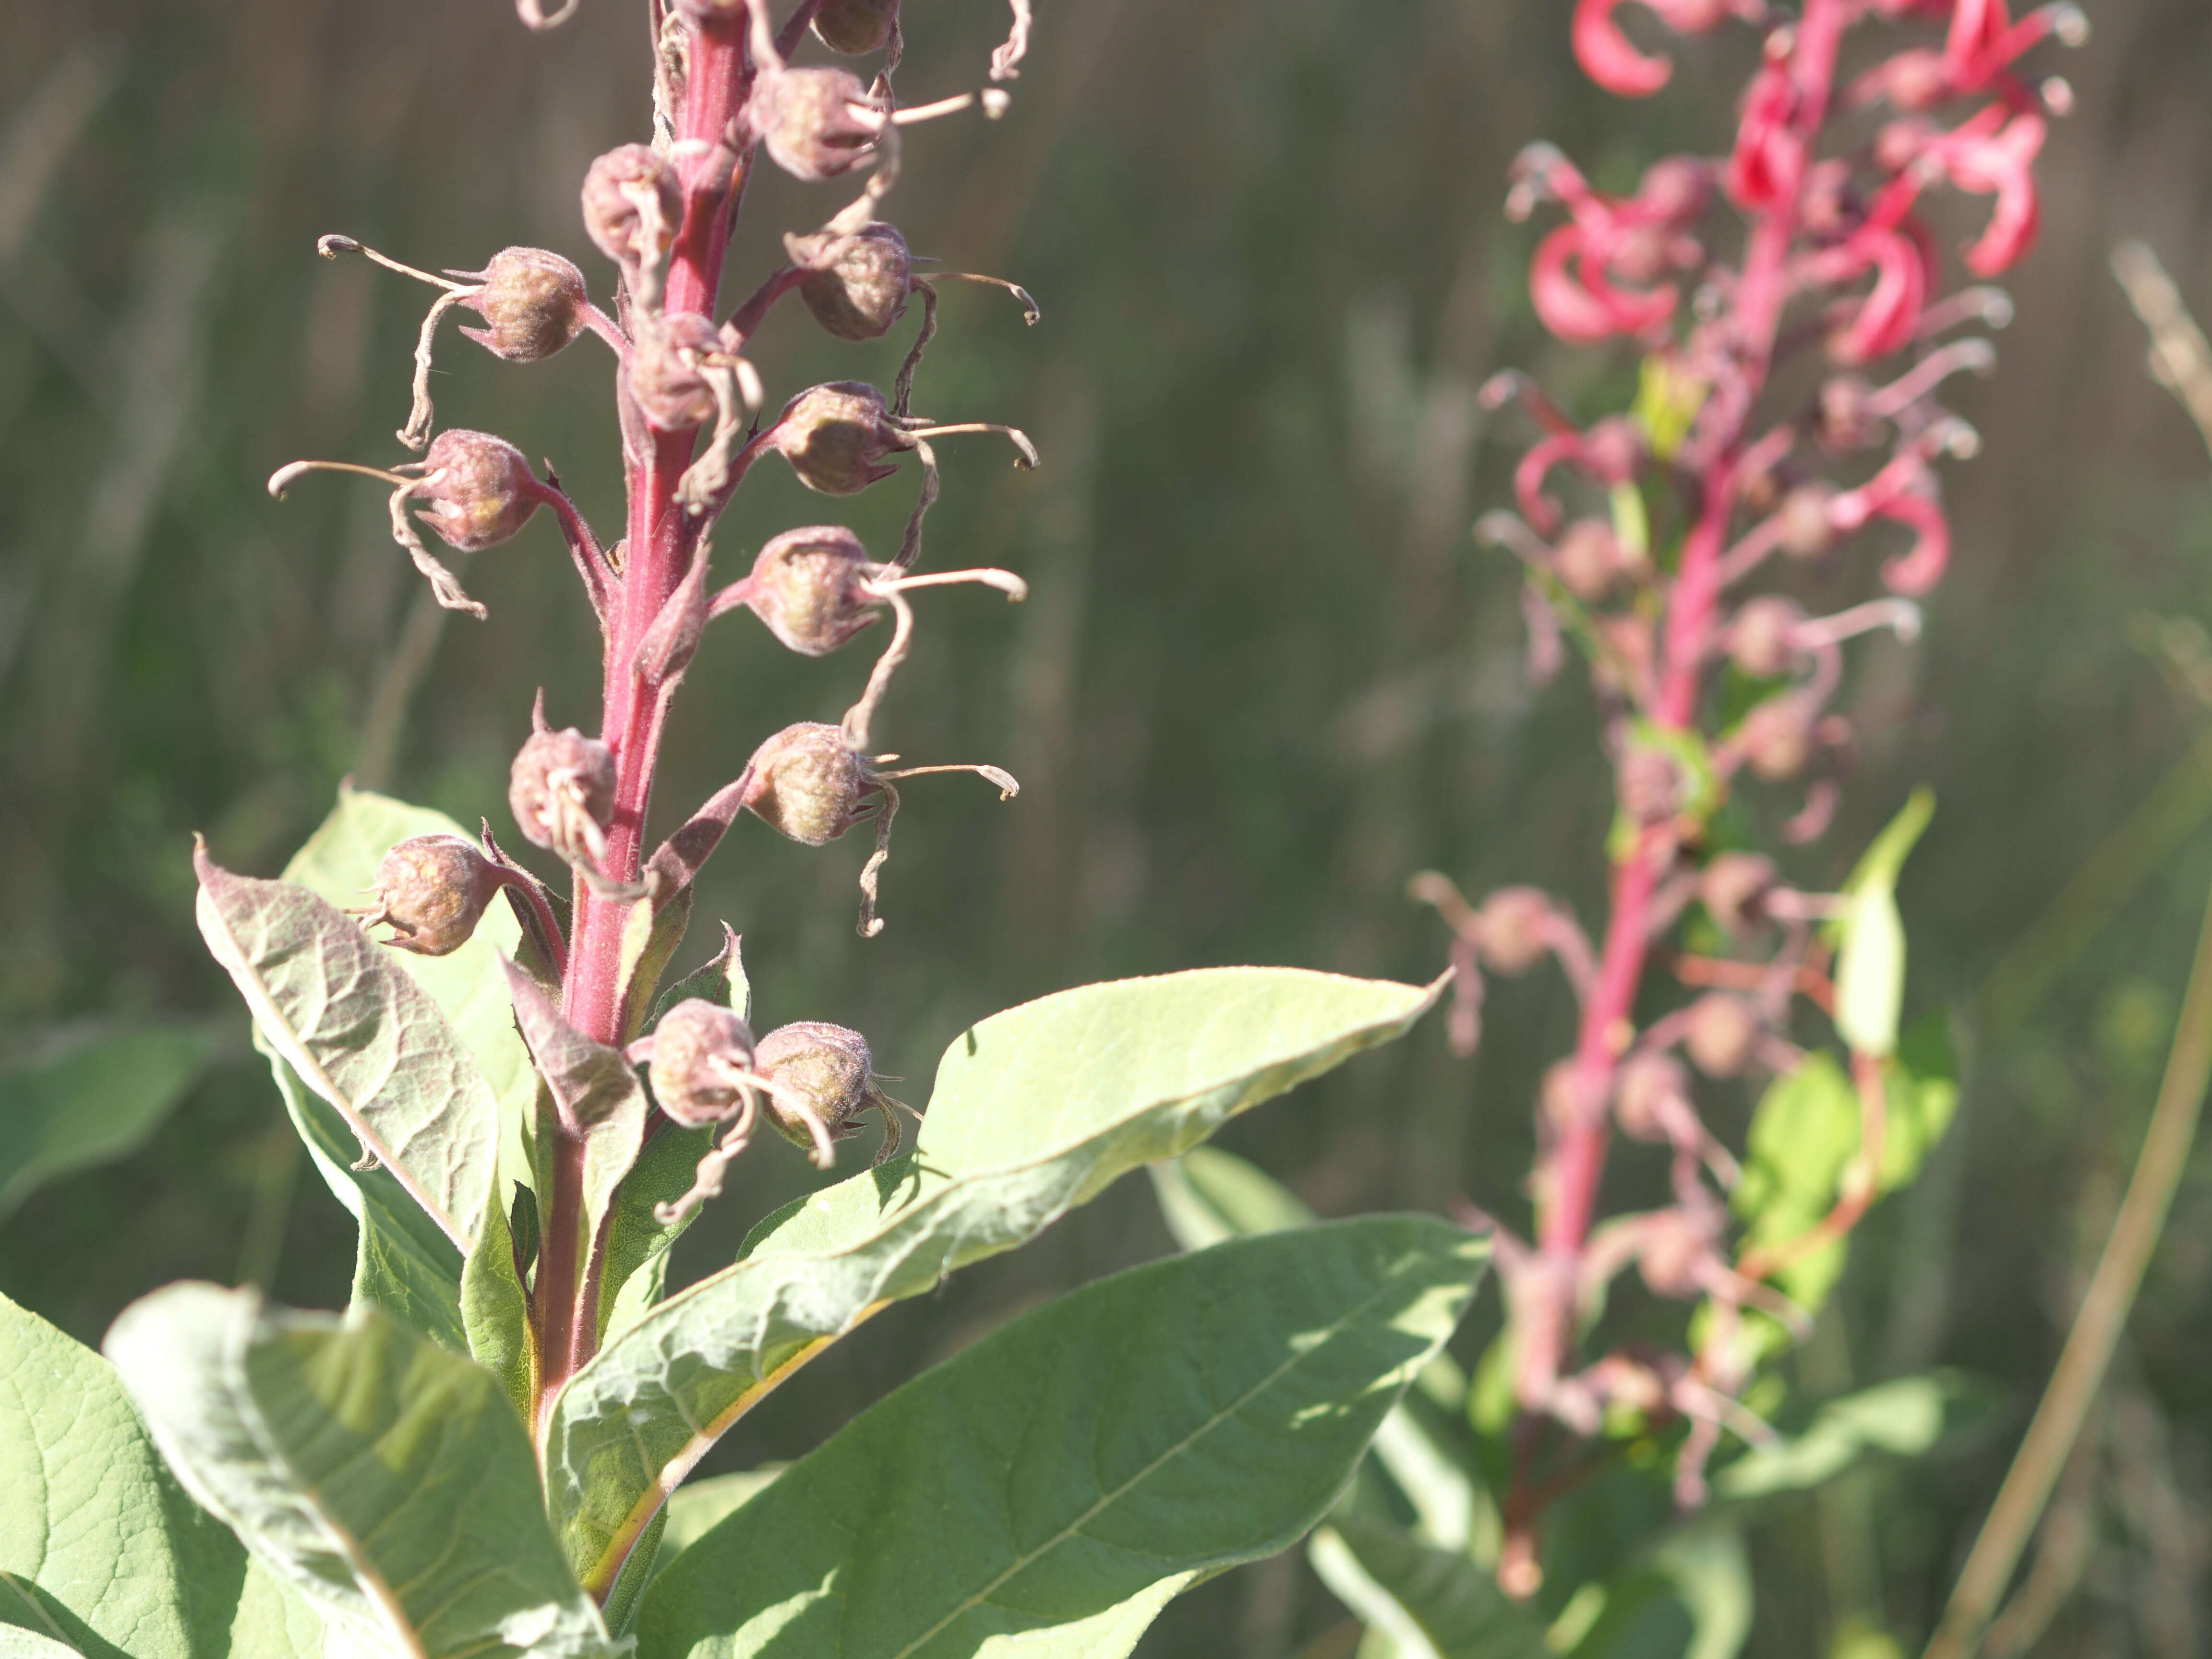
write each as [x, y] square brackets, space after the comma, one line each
[1107, 1499]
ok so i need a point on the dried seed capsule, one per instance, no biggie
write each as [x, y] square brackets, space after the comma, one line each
[1513, 929]
[815, 123]
[1762, 638]
[836, 435]
[432, 891]
[855, 26]
[562, 791]
[1677, 1258]
[1653, 788]
[808, 784]
[805, 585]
[633, 205]
[479, 489]
[1808, 530]
[1733, 888]
[534, 302]
[1718, 1033]
[855, 285]
[702, 1055]
[822, 1082]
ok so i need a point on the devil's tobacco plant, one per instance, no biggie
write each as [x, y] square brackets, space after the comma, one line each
[488, 1450]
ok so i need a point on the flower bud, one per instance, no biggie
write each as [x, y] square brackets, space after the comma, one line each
[1761, 639]
[432, 891]
[1777, 738]
[1806, 530]
[807, 784]
[534, 302]
[1718, 1033]
[806, 586]
[562, 791]
[835, 437]
[666, 373]
[702, 1052]
[1588, 559]
[855, 285]
[1513, 929]
[854, 26]
[824, 1073]
[629, 186]
[815, 123]
[478, 489]
[1677, 1254]
[1733, 888]
[1646, 1093]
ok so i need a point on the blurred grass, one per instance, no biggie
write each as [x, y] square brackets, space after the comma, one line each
[1264, 674]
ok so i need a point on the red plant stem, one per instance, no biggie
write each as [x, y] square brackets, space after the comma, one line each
[661, 542]
[1567, 1186]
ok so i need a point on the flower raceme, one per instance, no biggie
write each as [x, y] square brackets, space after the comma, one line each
[1643, 537]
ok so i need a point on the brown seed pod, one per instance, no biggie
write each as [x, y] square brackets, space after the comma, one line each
[1513, 929]
[432, 891]
[836, 437]
[855, 26]
[1808, 530]
[1588, 559]
[815, 123]
[807, 585]
[856, 284]
[823, 1082]
[561, 789]
[478, 489]
[1718, 1032]
[1645, 1094]
[671, 369]
[1653, 786]
[534, 302]
[702, 1059]
[1777, 738]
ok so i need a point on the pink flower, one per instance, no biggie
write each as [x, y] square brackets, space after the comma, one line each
[1608, 59]
[1575, 276]
[2003, 166]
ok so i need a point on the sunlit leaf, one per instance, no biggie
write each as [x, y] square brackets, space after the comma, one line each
[386, 1480]
[1870, 956]
[100, 1548]
[1905, 1416]
[1432, 1603]
[1169, 1421]
[1035, 1111]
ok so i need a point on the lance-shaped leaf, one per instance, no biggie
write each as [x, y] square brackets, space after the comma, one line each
[388, 1480]
[1432, 1603]
[1035, 1111]
[1870, 959]
[595, 1088]
[1160, 1424]
[101, 1551]
[362, 1034]
[90, 1095]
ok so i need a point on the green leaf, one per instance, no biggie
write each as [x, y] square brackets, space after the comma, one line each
[1035, 1111]
[722, 980]
[1921, 1091]
[339, 863]
[1870, 959]
[16, 1643]
[1803, 1135]
[1690, 1597]
[402, 1262]
[1906, 1416]
[388, 1480]
[496, 1311]
[362, 1035]
[698, 1507]
[1169, 1421]
[1432, 1603]
[634, 1270]
[100, 1548]
[651, 937]
[1207, 1195]
[90, 1095]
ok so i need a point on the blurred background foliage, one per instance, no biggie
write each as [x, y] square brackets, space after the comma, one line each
[1264, 674]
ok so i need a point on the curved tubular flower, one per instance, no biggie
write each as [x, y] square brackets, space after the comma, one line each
[1832, 235]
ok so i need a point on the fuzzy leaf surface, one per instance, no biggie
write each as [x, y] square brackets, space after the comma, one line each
[362, 1035]
[388, 1480]
[1035, 1111]
[1156, 1425]
[93, 1096]
[100, 1548]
